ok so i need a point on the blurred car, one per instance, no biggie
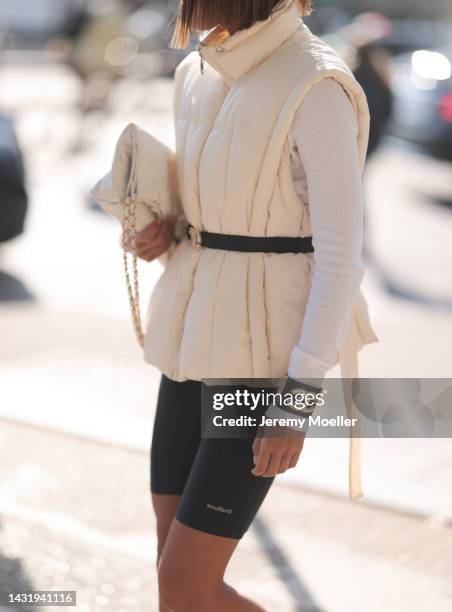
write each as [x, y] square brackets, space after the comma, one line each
[422, 100]
[13, 200]
[407, 35]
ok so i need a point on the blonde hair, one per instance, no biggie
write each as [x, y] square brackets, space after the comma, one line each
[242, 13]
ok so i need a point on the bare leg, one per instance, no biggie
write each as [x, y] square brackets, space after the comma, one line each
[165, 509]
[191, 572]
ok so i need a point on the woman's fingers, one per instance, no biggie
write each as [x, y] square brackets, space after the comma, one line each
[151, 234]
[273, 466]
[152, 253]
[155, 245]
[284, 464]
[278, 464]
[294, 460]
[154, 241]
[149, 231]
[144, 238]
[256, 448]
[275, 455]
[261, 464]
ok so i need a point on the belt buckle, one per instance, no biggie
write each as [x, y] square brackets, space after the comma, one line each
[195, 236]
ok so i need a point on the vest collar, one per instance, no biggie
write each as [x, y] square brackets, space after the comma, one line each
[233, 56]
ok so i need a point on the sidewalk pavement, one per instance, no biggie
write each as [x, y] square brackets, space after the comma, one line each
[76, 515]
[83, 373]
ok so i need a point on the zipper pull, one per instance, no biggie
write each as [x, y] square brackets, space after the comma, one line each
[201, 60]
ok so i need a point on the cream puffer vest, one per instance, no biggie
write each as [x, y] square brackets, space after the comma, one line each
[223, 314]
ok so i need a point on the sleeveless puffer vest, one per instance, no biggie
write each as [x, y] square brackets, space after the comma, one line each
[220, 314]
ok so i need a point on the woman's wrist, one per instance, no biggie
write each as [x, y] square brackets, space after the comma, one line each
[296, 402]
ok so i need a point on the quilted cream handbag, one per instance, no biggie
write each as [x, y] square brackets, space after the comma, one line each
[140, 187]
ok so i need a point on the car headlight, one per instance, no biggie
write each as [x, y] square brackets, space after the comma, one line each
[431, 65]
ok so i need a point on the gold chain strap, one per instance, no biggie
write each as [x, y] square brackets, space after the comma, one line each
[133, 290]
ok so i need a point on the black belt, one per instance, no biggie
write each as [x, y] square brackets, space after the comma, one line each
[250, 244]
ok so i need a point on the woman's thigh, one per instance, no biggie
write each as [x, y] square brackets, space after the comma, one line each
[176, 435]
[175, 441]
[195, 556]
[191, 573]
[165, 507]
[222, 496]
[218, 504]
[218, 493]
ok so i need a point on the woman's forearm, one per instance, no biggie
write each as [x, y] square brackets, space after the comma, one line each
[324, 132]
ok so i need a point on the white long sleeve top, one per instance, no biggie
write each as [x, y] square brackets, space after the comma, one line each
[326, 172]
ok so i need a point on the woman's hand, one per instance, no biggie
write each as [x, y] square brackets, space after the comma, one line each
[155, 238]
[276, 454]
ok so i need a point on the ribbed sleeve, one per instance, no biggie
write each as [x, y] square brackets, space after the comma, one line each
[326, 172]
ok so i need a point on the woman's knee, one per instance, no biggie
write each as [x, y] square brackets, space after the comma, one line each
[180, 591]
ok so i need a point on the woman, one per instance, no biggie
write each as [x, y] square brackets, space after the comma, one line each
[271, 136]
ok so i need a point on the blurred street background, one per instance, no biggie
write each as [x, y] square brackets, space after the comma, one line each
[77, 400]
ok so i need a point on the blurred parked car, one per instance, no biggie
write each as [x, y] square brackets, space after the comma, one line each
[13, 195]
[422, 91]
[410, 34]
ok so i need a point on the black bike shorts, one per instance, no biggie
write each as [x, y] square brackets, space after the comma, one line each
[219, 495]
